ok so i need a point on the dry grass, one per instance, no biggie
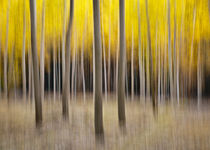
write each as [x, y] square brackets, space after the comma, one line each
[177, 128]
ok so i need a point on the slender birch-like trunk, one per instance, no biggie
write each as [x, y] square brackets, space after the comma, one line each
[109, 49]
[82, 63]
[174, 58]
[6, 53]
[23, 54]
[132, 68]
[73, 76]
[65, 94]
[169, 54]
[38, 102]
[140, 52]
[191, 50]
[152, 80]
[59, 69]
[199, 76]
[42, 54]
[104, 54]
[63, 44]
[54, 71]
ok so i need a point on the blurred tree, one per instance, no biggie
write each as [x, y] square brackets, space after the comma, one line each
[6, 52]
[66, 85]
[99, 130]
[23, 52]
[38, 102]
[121, 66]
[42, 49]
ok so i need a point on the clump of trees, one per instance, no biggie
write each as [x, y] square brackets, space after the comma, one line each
[137, 50]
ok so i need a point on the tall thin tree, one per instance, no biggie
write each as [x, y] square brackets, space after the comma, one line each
[98, 114]
[152, 80]
[65, 94]
[38, 102]
[169, 53]
[42, 53]
[6, 52]
[121, 66]
[23, 52]
[63, 43]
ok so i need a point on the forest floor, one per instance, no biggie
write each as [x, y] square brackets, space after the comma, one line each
[177, 127]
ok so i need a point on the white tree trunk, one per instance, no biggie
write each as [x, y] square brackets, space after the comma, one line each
[23, 54]
[175, 57]
[42, 54]
[170, 55]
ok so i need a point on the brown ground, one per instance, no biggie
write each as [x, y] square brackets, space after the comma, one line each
[180, 127]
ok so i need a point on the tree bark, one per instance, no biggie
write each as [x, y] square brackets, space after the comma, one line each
[38, 102]
[109, 50]
[98, 69]
[132, 68]
[23, 54]
[199, 77]
[121, 66]
[42, 54]
[191, 50]
[152, 80]
[104, 54]
[6, 53]
[169, 54]
[63, 44]
[65, 94]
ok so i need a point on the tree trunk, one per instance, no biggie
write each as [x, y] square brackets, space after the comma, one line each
[54, 71]
[104, 54]
[6, 53]
[121, 66]
[152, 80]
[109, 50]
[98, 69]
[59, 69]
[42, 51]
[140, 52]
[38, 102]
[143, 72]
[0, 68]
[169, 54]
[29, 75]
[65, 96]
[132, 68]
[63, 44]
[174, 58]
[82, 66]
[199, 77]
[23, 54]
[73, 76]
[191, 50]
